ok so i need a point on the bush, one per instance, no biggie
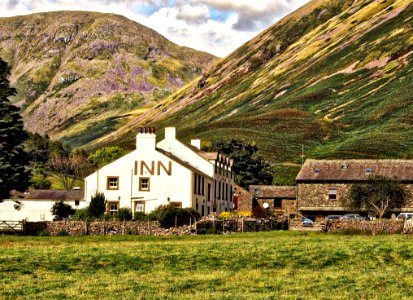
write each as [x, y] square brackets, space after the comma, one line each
[259, 212]
[41, 184]
[61, 210]
[97, 206]
[81, 215]
[244, 213]
[139, 216]
[225, 215]
[123, 214]
[62, 232]
[167, 214]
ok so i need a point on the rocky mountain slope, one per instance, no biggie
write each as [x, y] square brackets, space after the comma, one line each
[81, 74]
[334, 78]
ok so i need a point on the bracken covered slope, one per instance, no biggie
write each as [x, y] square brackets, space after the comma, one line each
[81, 74]
[334, 78]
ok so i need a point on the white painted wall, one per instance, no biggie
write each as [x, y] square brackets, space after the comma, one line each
[176, 186]
[179, 149]
[31, 210]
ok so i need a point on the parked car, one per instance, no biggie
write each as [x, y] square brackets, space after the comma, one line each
[334, 217]
[353, 217]
[405, 216]
[307, 222]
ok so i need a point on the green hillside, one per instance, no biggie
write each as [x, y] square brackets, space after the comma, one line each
[335, 77]
[79, 75]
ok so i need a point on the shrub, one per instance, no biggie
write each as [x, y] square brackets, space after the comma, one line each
[81, 215]
[259, 212]
[167, 214]
[61, 210]
[244, 213]
[41, 184]
[62, 232]
[97, 206]
[139, 216]
[43, 232]
[123, 214]
[225, 215]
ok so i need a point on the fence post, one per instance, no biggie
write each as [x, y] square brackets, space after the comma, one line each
[24, 226]
[176, 221]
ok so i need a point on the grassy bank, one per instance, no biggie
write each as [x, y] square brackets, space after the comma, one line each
[244, 266]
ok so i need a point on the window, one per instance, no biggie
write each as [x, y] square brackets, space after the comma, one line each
[369, 171]
[332, 193]
[278, 203]
[140, 206]
[76, 202]
[113, 207]
[144, 184]
[195, 182]
[112, 183]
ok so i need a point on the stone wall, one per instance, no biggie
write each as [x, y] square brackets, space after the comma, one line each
[104, 228]
[368, 227]
[315, 195]
[244, 199]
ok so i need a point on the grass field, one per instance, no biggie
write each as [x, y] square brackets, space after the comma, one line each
[292, 265]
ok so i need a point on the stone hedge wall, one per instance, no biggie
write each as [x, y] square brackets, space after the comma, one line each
[369, 227]
[104, 228]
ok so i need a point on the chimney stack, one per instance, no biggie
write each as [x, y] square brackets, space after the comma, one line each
[170, 133]
[146, 138]
[196, 143]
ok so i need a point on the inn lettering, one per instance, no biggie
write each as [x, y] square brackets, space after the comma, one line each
[145, 168]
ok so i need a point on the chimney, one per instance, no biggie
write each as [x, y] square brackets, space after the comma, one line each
[196, 143]
[170, 133]
[146, 138]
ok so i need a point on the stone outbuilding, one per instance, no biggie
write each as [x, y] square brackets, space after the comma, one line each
[281, 199]
[322, 184]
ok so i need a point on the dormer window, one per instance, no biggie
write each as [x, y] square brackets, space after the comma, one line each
[344, 166]
[369, 171]
[316, 171]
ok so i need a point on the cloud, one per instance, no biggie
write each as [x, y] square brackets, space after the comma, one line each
[214, 26]
[197, 14]
[254, 15]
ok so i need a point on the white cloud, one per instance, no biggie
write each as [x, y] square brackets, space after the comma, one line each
[214, 26]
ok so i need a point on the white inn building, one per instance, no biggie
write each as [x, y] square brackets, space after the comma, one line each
[166, 172]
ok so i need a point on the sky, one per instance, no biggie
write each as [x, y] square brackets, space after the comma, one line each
[214, 26]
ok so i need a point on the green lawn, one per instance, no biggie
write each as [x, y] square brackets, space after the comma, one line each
[290, 265]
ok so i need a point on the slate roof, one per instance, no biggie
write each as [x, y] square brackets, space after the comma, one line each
[355, 169]
[49, 195]
[273, 191]
[182, 162]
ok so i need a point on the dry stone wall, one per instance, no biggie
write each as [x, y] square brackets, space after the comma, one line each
[105, 228]
[369, 227]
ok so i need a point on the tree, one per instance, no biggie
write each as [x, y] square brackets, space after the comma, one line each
[97, 205]
[249, 167]
[61, 210]
[41, 149]
[106, 155]
[377, 195]
[14, 161]
[69, 169]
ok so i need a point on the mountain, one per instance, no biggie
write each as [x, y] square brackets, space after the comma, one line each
[334, 79]
[81, 74]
